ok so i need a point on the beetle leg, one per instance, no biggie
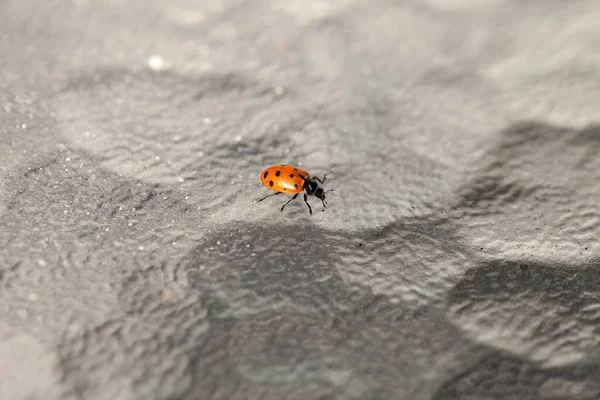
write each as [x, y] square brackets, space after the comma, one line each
[305, 200]
[269, 195]
[321, 181]
[293, 198]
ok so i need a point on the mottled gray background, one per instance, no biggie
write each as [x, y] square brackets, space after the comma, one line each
[458, 256]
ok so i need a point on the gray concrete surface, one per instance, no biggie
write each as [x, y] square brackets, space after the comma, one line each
[458, 257]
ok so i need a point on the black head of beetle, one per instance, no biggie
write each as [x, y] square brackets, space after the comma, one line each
[312, 188]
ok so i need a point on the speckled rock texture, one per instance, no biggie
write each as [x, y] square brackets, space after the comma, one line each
[459, 254]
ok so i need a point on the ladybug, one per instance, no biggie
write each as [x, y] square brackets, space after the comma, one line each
[292, 180]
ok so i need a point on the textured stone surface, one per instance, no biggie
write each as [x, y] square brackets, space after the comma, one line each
[458, 256]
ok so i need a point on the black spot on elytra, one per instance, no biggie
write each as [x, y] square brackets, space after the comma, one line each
[277, 173]
[295, 186]
[265, 175]
[271, 183]
[296, 169]
[285, 189]
[291, 175]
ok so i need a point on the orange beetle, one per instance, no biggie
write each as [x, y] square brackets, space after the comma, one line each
[292, 180]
